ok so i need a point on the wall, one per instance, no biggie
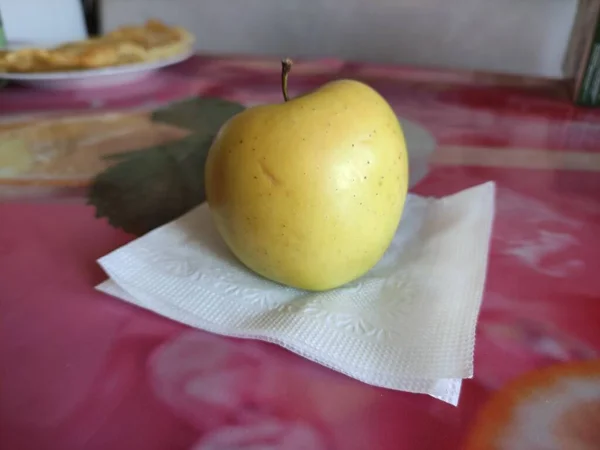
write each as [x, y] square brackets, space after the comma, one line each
[44, 26]
[519, 36]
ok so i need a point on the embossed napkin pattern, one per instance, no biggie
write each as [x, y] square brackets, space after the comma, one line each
[409, 324]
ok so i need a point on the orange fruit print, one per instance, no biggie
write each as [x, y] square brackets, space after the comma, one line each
[553, 408]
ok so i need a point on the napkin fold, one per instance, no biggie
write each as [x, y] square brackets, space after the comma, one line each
[409, 324]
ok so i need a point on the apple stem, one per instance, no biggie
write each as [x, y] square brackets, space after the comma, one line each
[286, 68]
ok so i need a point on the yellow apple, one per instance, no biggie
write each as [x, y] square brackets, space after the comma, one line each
[309, 192]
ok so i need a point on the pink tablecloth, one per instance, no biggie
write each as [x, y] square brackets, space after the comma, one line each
[80, 370]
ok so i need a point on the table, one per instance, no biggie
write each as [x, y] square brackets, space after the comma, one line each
[80, 370]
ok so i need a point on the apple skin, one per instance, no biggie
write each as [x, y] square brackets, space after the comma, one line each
[309, 192]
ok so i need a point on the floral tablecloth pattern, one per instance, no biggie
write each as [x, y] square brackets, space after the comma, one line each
[81, 370]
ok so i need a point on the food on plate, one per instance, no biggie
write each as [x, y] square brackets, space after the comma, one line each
[309, 192]
[151, 41]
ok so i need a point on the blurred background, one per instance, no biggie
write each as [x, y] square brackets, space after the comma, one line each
[517, 36]
[526, 37]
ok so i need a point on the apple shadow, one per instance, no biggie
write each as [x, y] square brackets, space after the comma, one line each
[420, 144]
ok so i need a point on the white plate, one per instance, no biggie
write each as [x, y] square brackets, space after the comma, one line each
[94, 78]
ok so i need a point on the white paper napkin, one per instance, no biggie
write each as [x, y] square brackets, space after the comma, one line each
[409, 324]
